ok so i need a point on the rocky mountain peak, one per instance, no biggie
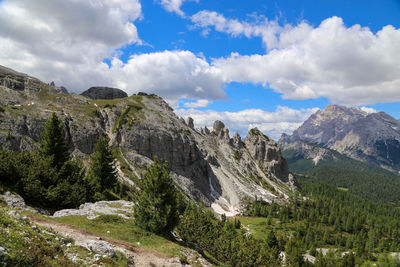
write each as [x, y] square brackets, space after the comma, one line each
[237, 141]
[221, 132]
[99, 92]
[371, 137]
[218, 126]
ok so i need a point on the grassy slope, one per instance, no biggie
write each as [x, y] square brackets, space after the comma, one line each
[125, 230]
[117, 228]
[27, 245]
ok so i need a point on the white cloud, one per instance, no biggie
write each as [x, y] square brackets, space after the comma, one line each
[368, 110]
[66, 41]
[201, 103]
[263, 27]
[69, 43]
[348, 65]
[174, 6]
[170, 74]
[282, 120]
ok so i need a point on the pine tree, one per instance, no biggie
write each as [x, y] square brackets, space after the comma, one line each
[271, 239]
[157, 208]
[53, 142]
[102, 175]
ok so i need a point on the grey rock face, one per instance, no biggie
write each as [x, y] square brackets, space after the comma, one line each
[21, 82]
[64, 90]
[12, 79]
[190, 122]
[218, 126]
[207, 131]
[369, 137]
[267, 153]
[237, 141]
[104, 93]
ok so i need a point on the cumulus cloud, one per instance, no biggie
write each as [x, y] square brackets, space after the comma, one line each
[174, 6]
[201, 103]
[261, 27]
[368, 110]
[66, 41]
[171, 74]
[282, 120]
[69, 43]
[348, 65]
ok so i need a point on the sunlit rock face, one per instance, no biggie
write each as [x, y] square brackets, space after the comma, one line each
[369, 137]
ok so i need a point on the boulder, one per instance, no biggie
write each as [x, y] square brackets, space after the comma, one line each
[104, 93]
[16, 202]
[100, 247]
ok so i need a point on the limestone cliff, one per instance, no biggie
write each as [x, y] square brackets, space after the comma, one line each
[209, 166]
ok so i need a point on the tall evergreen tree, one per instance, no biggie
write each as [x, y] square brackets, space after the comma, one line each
[102, 175]
[53, 142]
[157, 208]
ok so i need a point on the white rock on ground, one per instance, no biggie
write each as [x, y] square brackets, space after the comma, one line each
[2, 251]
[16, 202]
[100, 247]
[91, 210]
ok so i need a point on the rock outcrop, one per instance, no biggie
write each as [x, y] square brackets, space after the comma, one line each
[369, 137]
[209, 167]
[99, 247]
[99, 92]
[19, 88]
[16, 202]
[121, 208]
[267, 153]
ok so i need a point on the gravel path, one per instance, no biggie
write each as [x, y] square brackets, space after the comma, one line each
[136, 256]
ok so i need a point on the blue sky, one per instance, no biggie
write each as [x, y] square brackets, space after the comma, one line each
[266, 64]
[167, 30]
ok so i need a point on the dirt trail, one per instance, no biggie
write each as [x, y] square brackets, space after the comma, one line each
[137, 256]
